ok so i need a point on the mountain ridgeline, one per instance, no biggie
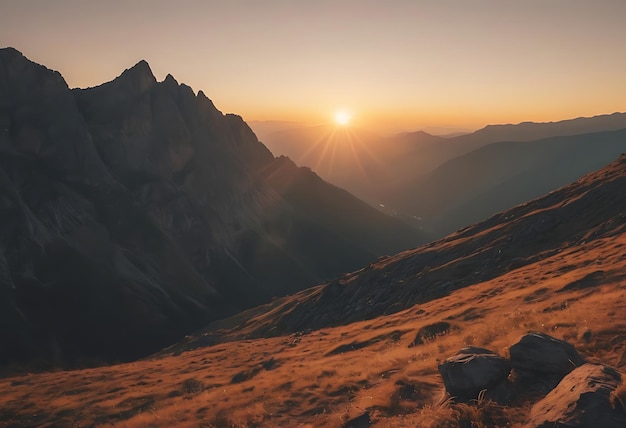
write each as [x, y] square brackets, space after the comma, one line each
[591, 211]
[443, 184]
[135, 212]
[495, 177]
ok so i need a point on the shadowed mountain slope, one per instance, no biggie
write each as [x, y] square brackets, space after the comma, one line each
[472, 187]
[383, 371]
[590, 209]
[137, 210]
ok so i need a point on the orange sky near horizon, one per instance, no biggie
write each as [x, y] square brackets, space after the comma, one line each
[395, 65]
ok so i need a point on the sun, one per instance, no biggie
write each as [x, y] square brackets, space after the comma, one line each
[342, 117]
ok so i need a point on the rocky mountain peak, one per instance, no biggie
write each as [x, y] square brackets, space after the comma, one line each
[15, 66]
[170, 80]
[141, 212]
[49, 125]
[205, 104]
[10, 52]
[139, 76]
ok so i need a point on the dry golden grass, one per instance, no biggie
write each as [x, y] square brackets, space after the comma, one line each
[323, 379]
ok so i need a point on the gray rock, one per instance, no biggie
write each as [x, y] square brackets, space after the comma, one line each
[473, 370]
[361, 421]
[541, 353]
[581, 399]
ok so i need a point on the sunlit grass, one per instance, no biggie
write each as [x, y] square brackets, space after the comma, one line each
[301, 379]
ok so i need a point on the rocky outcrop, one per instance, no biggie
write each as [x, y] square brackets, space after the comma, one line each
[135, 211]
[579, 394]
[584, 398]
[541, 353]
[537, 363]
[474, 372]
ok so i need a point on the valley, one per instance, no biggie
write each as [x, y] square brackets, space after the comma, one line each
[443, 184]
[290, 363]
[305, 378]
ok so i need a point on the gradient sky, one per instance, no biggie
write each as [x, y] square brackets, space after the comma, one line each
[404, 64]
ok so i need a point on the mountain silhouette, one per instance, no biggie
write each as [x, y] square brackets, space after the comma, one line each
[474, 186]
[137, 210]
[361, 161]
[442, 184]
[529, 131]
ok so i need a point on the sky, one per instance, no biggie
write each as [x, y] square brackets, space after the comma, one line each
[393, 64]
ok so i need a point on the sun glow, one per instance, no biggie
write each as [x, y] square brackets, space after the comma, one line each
[342, 117]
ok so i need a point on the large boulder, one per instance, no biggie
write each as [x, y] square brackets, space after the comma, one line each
[473, 370]
[538, 352]
[582, 399]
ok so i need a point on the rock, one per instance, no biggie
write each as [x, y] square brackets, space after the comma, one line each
[581, 399]
[192, 386]
[538, 352]
[429, 332]
[466, 350]
[473, 370]
[361, 421]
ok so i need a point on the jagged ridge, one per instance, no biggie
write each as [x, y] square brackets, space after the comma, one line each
[135, 211]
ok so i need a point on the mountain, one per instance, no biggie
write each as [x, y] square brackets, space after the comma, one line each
[452, 182]
[525, 131]
[587, 211]
[474, 186]
[365, 349]
[137, 210]
[529, 131]
[359, 160]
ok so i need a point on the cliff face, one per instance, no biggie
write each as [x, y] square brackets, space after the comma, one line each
[134, 212]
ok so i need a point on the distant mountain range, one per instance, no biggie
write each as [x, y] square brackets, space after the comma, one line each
[441, 184]
[137, 210]
[358, 160]
[495, 177]
[529, 131]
